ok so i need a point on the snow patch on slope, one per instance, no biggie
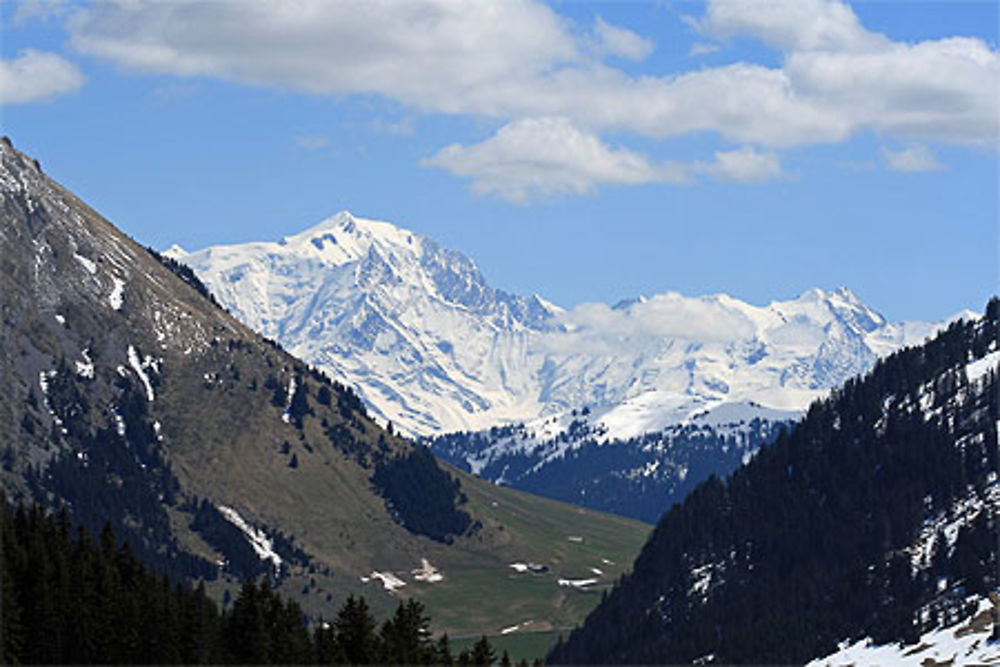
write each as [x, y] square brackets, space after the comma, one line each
[965, 643]
[85, 368]
[258, 539]
[977, 370]
[137, 366]
[87, 264]
[117, 297]
[389, 581]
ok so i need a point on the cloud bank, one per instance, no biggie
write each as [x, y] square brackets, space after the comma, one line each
[522, 64]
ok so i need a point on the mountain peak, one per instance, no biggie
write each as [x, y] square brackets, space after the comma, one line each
[355, 235]
[337, 221]
[175, 251]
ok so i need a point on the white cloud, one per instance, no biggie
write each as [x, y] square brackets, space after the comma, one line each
[944, 90]
[548, 156]
[791, 25]
[538, 157]
[520, 59]
[744, 165]
[913, 158]
[617, 41]
[37, 76]
[597, 327]
[431, 54]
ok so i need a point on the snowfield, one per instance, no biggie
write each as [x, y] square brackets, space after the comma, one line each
[432, 347]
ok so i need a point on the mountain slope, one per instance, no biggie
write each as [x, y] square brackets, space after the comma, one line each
[131, 397]
[876, 516]
[431, 347]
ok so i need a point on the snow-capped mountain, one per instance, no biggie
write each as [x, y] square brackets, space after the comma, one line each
[428, 344]
[433, 348]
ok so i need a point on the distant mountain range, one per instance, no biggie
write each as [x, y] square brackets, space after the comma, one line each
[621, 408]
[431, 347]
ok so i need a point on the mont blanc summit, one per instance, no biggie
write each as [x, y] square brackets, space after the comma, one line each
[432, 347]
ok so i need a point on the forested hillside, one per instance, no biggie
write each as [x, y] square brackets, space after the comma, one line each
[876, 516]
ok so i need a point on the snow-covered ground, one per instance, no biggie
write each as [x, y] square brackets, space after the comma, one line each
[427, 572]
[389, 581]
[117, 297]
[965, 643]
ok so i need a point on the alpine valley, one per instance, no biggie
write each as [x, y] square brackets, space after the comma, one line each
[825, 482]
[130, 397]
[622, 409]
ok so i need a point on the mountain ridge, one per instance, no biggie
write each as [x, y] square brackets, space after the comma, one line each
[433, 348]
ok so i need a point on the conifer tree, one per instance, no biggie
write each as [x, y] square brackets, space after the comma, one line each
[356, 632]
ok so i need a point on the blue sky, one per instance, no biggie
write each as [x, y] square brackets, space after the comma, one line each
[584, 151]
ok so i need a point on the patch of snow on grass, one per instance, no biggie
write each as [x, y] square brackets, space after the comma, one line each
[136, 364]
[85, 368]
[87, 264]
[117, 296]
[515, 628]
[577, 583]
[427, 572]
[390, 581]
[258, 538]
[287, 416]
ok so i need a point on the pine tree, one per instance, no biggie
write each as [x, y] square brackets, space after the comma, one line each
[482, 652]
[247, 639]
[356, 632]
